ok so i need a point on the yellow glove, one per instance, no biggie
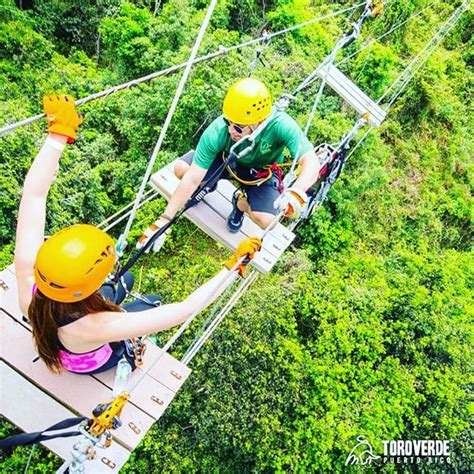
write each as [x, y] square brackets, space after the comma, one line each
[246, 248]
[61, 115]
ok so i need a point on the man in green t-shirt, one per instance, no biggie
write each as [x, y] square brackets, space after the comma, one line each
[246, 105]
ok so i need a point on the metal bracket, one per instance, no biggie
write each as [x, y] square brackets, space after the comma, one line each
[134, 428]
[108, 463]
[157, 400]
[176, 375]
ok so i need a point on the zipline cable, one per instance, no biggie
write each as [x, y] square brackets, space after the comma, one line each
[328, 62]
[149, 197]
[196, 346]
[120, 211]
[164, 72]
[226, 282]
[407, 72]
[391, 30]
[424, 54]
[164, 129]
[212, 315]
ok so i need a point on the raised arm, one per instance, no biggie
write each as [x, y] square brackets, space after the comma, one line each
[63, 122]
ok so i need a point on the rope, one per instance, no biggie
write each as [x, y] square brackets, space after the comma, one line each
[196, 346]
[179, 91]
[409, 72]
[105, 221]
[164, 72]
[226, 282]
[394, 28]
[407, 75]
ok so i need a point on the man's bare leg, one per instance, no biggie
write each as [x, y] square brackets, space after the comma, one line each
[180, 168]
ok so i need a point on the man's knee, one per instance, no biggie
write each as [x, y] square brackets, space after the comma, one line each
[180, 168]
[262, 219]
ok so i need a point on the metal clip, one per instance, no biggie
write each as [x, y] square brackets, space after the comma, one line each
[176, 375]
[134, 428]
[109, 463]
[157, 400]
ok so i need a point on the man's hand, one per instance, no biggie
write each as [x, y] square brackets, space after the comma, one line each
[61, 115]
[291, 202]
[247, 248]
[149, 232]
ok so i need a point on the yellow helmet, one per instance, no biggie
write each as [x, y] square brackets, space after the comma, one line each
[74, 262]
[247, 102]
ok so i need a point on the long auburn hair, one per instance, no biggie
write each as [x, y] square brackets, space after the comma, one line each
[47, 315]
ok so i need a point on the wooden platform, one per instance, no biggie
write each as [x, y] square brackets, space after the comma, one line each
[33, 398]
[352, 94]
[210, 215]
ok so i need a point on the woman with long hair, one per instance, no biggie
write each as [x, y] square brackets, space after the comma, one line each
[60, 280]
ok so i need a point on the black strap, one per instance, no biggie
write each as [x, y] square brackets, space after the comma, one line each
[196, 198]
[33, 438]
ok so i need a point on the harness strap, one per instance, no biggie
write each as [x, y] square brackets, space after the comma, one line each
[136, 348]
[273, 170]
[261, 176]
[33, 438]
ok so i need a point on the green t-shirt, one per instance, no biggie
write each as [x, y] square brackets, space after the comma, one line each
[280, 133]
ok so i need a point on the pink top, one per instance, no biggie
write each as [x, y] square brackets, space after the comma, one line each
[82, 363]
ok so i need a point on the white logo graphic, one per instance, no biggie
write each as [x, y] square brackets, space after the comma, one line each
[361, 453]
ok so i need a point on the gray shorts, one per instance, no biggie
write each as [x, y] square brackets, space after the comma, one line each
[260, 198]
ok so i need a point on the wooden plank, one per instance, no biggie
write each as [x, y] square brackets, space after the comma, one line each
[352, 94]
[212, 219]
[168, 371]
[221, 202]
[339, 79]
[20, 399]
[210, 222]
[150, 396]
[9, 296]
[215, 226]
[80, 393]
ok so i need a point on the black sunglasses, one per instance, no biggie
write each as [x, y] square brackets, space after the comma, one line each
[236, 127]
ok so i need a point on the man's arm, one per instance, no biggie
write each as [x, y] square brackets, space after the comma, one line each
[309, 173]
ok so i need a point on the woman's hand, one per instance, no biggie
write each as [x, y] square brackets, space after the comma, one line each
[247, 248]
[62, 116]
